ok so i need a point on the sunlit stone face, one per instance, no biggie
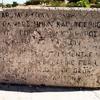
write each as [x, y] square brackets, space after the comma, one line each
[59, 47]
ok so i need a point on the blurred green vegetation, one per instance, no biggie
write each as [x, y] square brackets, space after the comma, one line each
[14, 4]
[32, 2]
[8, 5]
[61, 3]
[83, 3]
[58, 3]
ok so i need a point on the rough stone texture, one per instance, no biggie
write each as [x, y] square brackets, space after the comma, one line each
[51, 46]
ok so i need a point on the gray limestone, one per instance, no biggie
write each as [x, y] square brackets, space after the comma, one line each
[50, 46]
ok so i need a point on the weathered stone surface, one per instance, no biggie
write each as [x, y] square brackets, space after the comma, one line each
[59, 47]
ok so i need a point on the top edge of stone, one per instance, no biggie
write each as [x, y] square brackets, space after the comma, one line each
[52, 8]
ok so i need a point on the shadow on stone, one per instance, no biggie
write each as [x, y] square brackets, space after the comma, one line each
[41, 88]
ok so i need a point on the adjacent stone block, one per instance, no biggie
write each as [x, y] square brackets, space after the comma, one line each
[50, 46]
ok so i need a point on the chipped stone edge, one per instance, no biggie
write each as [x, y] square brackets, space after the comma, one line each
[53, 8]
